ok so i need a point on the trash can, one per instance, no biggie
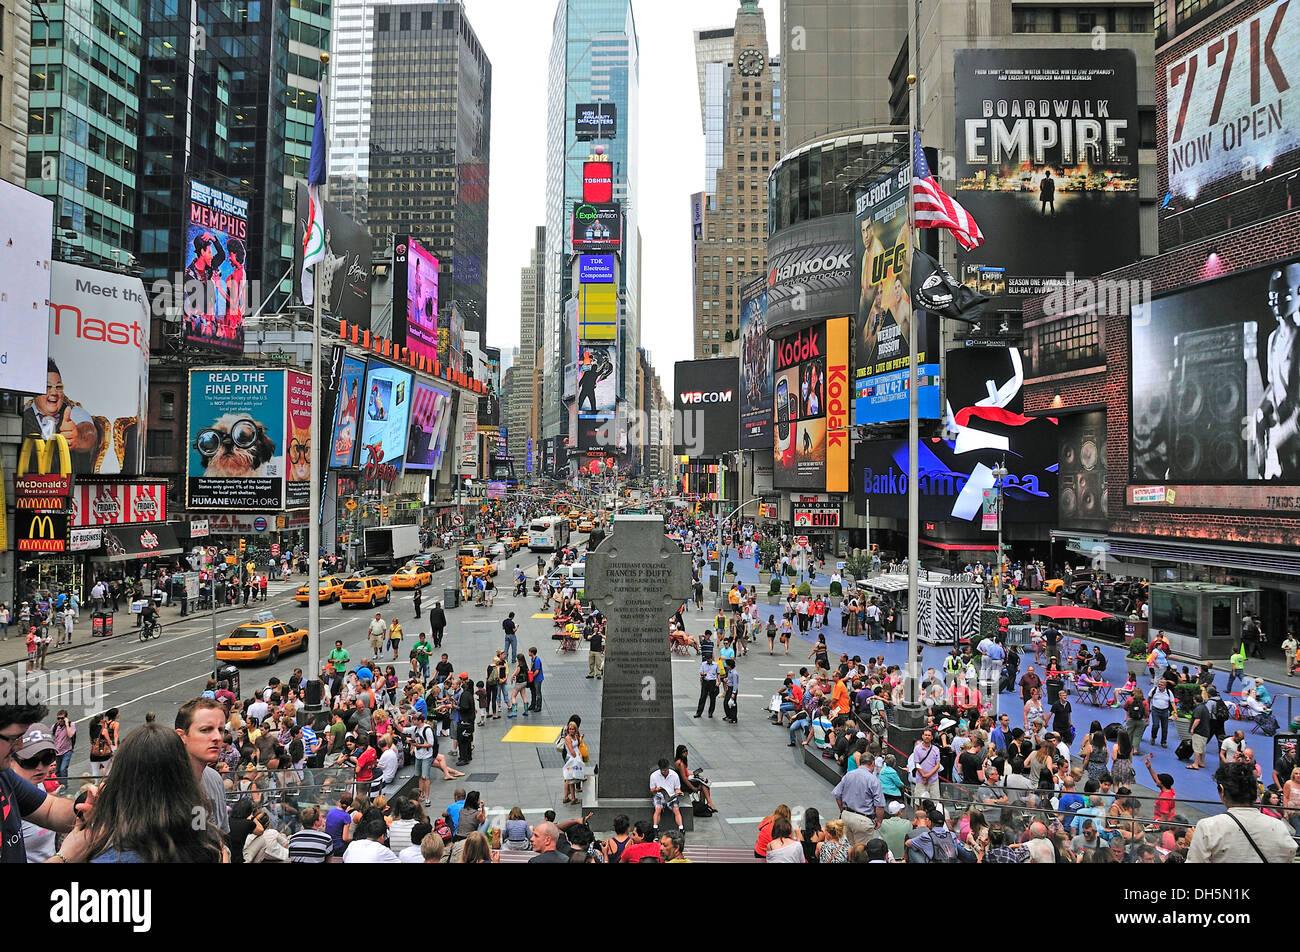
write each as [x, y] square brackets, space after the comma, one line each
[101, 625]
[1054, 686]
[450, 597]
[229, 674]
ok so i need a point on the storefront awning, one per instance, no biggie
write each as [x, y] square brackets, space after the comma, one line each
[139, 541]
[959, 546]
[1236, 558]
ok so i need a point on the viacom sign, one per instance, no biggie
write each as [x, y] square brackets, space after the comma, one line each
[706, 421]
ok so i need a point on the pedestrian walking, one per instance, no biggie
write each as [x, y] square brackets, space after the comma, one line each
[510, 628]
[417, 598]
[395, 636]
[437, 623]
[708, 686]
[377, 634]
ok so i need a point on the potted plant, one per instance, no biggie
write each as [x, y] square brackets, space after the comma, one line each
[836, 590]
[805, 589]
[1137, 648]
[731, 570]
[774, 590]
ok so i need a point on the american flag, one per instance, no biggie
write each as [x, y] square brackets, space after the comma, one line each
[934, 209]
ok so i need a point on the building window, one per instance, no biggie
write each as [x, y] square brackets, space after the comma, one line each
[426, 20]
[159, 442]
[1060, 346]
[448, 19]
[404, 22]
[167, 405]
[1146, 129]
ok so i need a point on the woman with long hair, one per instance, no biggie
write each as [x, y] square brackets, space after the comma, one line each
[476, 849]
[573, 766]
[1093, 754]
[690, 782]
[1121, 764]
[519, 693]
[145, 810]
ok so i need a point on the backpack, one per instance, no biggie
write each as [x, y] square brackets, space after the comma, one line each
[944, 843]
[1220, 710]
[1184, 750]
[1266, 724]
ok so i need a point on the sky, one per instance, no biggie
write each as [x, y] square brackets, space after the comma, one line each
[516, 35]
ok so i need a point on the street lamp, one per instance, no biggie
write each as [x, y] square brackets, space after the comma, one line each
[999, 473]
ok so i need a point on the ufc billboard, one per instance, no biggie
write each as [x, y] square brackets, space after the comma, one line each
[706, 418]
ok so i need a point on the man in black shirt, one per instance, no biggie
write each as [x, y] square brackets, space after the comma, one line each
[437, 623]
[596, 659]
[443, 669]
[1061, 716]
[465, 721]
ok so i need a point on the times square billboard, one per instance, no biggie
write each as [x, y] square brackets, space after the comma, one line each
[1047, 164]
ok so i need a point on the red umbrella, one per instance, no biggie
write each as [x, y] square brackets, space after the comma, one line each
[1070, 611]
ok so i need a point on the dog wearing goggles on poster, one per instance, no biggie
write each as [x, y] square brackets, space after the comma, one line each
[234, 446]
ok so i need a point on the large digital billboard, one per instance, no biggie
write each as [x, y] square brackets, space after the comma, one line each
[347, 414]
[706, 407]
[26, 240]
[415, 298]
[430, 410]
[597, 312]
[597, 181]
[597, 227]
[595, 269]
[883, 246]
[595, 120]
[804, 449]
[596, 378]
[1047, 163]
[755, 368]
[1214, 395]
[236, 431]
[216, 254]
[385, 407]
[1230, 106]
[810, 271]
[298, 440]
[98, 320]
[345, 272]
[985, 426]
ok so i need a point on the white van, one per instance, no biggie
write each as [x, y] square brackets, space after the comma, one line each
[568, 574]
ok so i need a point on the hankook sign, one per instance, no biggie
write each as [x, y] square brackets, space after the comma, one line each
[811, 271]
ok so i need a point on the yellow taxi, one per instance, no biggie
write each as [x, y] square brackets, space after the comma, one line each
[331, 587]
[477, 567]
[584, 525]
[573, 522]
[367, 590]
[261, 641]
[469, 553]
[512, 543]
[411, 576]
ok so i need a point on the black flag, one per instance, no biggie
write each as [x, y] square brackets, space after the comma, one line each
[937, 291]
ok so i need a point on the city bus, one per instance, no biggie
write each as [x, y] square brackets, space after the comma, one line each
[548, 533]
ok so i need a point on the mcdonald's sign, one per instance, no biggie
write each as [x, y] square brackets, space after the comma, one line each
[45, 532]
[44, 451]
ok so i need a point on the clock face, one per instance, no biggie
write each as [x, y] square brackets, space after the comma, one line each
[750, 62]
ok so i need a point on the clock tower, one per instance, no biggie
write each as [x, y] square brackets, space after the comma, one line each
[731, 247]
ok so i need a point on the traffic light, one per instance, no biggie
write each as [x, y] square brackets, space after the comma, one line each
[242, 546]
[383, 513]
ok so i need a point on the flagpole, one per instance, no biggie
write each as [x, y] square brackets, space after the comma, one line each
[912, 682]
[314, 689]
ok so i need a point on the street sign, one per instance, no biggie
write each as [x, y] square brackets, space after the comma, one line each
[260, 524]
[457, 519]
[275, 548]
[802, 542]
[351, 505]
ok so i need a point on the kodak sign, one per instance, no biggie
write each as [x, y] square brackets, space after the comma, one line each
[837, 405]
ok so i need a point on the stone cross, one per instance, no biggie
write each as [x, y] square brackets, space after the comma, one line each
[638, 578]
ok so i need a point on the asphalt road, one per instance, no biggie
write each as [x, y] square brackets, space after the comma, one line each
[163, 674]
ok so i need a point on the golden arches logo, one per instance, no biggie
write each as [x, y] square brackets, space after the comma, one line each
[42, 527]
[44, 451]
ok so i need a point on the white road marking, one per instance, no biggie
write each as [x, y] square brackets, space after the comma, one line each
[720, 784]
[745, 819]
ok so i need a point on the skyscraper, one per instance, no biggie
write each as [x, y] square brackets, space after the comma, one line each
[15, 68]
[836, 59]
[83, 125]
[521, 407]
[430, 124]
[594, 57]
[732, 244]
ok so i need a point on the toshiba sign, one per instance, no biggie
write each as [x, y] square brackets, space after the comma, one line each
[706, 418]
[597, 181]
